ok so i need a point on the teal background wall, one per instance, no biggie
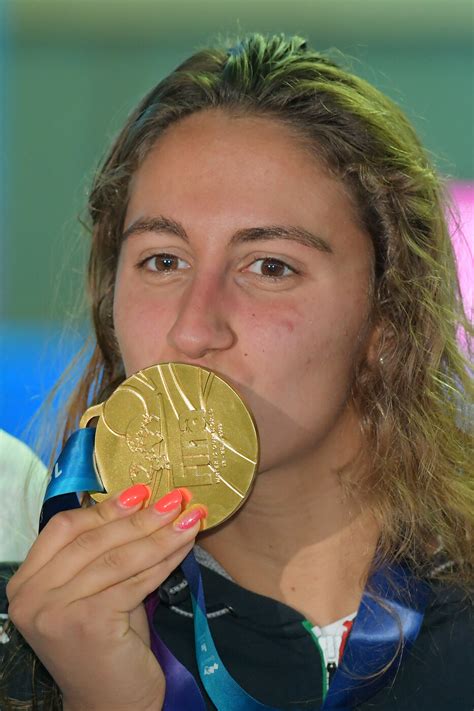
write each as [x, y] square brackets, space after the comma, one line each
[73, 69]
[76, 67]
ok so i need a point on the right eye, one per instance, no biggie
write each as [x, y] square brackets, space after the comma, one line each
[163, 263]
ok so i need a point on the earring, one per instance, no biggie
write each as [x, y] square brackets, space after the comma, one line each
[381, 361]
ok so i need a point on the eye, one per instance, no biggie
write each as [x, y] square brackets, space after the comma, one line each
[271, 267]
[163, 263]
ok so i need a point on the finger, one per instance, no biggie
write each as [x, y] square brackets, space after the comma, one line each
[65, 526]
[120, 564]
[101, 541]
[127, 595]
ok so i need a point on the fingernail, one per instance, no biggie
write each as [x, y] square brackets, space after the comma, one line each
[136, 494]
[189, 518]
[169, 501]
[187, 494]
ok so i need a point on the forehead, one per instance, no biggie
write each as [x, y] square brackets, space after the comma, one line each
[212, 167]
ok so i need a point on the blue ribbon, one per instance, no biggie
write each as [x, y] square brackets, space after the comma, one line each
[72, 473]
[387, 623]
[74, 470]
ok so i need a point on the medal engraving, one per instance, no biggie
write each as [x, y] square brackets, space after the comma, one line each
[195, 450]
[144, 439]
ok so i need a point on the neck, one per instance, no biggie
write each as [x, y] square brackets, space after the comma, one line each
[300, 539]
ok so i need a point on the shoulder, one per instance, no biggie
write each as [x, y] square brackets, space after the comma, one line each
[448, 625]
[436, 673]
[447, 633]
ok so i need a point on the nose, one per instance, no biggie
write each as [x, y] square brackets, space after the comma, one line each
[202, 320]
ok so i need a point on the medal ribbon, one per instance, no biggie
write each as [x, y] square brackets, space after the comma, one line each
[387, 623]
[72, 473]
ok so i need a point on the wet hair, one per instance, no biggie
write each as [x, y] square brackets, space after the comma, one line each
[411, 399]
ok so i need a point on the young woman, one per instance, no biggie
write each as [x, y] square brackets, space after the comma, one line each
[271, 217]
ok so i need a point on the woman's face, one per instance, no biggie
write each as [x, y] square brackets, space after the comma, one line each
[242, 255]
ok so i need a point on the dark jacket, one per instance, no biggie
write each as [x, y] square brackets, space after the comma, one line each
[269, 652]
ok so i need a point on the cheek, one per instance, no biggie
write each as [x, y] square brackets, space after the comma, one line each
[274, 344]
[264, 328]
[304, 336]
[139, 326]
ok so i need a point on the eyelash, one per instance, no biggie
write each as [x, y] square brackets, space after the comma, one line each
[165, 255]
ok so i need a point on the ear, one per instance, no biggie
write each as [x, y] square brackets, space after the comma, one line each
[378, 343]
[372, 352]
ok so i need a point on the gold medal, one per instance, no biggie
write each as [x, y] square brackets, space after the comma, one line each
[174, 425]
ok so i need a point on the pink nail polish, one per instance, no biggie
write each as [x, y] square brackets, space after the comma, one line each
[187, 494]
[169, 501]
[189, 518]
[136, 494]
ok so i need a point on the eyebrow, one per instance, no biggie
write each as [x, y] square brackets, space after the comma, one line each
[249, 234]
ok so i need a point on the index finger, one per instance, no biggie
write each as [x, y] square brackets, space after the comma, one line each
[65, 526]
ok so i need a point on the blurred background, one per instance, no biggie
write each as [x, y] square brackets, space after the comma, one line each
[70, 72]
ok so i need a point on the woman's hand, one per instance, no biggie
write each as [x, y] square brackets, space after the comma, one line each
[77, 598]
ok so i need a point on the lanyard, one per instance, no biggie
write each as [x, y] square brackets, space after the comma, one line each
[387, 623]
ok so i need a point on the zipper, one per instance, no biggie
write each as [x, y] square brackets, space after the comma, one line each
[329, 651]
[331, 654]
[331, 668]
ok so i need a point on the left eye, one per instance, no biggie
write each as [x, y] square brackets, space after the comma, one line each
[271, 267]
[164, 263]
